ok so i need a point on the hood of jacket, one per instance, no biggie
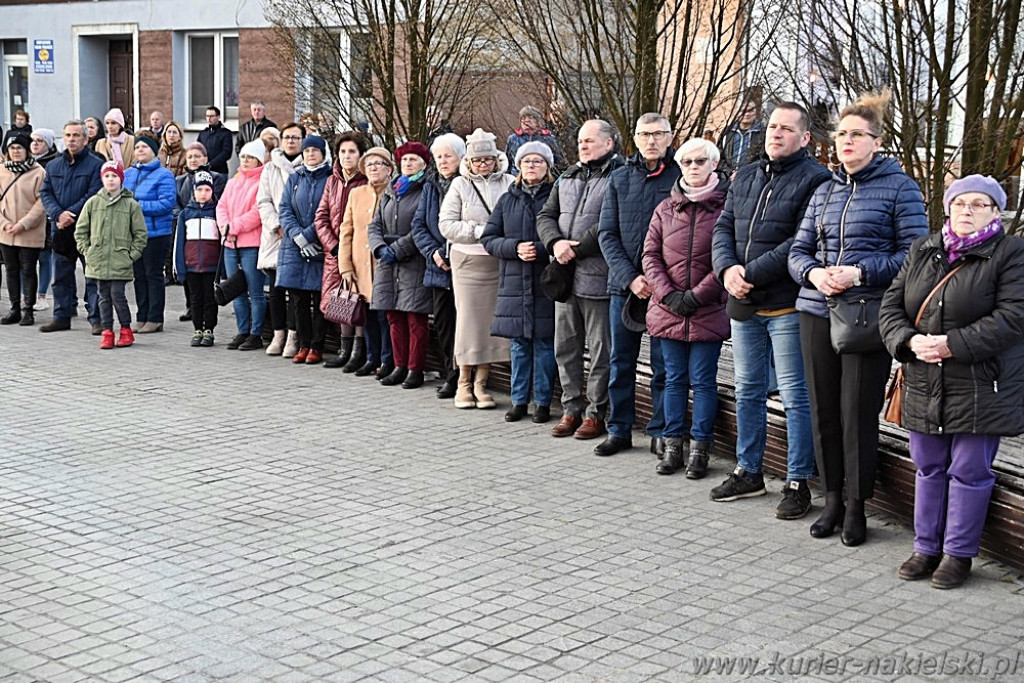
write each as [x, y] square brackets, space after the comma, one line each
[466, 170]
[280, 160]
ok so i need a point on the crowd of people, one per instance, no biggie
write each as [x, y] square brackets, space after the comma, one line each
[693, 245]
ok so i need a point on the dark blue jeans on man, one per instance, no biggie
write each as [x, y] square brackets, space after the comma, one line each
[65, 291]
[622, 381]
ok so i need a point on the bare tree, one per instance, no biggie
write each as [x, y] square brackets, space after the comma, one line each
[379, 61]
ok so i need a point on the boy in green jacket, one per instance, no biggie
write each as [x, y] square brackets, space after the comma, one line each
[111, 234]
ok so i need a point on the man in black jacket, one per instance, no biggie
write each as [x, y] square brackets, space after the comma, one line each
[217, 141]
[634, 191]
[750, 249]
[252, 128]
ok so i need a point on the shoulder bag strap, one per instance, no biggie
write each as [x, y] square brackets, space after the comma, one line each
[931, 294]
[8, 188]
[481, 196]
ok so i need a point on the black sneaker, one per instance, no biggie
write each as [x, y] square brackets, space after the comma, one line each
[796, 501]
[739, 485]
[252, 343]
[197, 338]
[237, 341]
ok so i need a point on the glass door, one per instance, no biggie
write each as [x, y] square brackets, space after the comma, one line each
[16, 86]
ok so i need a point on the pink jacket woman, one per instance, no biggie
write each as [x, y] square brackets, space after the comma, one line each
[237, 209]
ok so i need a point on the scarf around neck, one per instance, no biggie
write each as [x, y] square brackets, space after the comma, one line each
[699, 194]
[403, 183]
[19, 167]
[115, 146]
[956, 246]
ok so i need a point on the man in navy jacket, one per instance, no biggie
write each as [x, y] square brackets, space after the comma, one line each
[634, 190]
[71, 178]
[751, 245]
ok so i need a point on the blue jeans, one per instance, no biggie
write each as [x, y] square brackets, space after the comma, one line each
[622, 380]
[752, 341]
[150, 289]
[251, 307]
[45, 272]
[377, 332]
[65, 291]
[533, 362]
[690, 364]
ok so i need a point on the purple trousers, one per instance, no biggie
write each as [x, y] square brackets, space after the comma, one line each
[954, 484]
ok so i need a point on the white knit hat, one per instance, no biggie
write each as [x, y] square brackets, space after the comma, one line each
[255, 149]
[481, 144]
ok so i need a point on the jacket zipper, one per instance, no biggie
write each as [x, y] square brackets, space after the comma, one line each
[689, 267]
[974, 387]
[750, 232]
[842, 224]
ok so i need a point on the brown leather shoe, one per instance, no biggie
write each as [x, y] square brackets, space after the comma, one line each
[919, 566]
[590, 429]
[566, 426]
[952, 572]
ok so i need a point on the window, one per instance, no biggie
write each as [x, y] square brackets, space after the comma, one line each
[212, 64]
[340, 80]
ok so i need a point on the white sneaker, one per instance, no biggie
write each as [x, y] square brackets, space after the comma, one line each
[41, 304]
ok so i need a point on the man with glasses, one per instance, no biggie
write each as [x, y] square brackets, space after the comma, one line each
[531, 129]
[743, 141]
[567, 225]
[633, 193]
[216, 139]
[750, 250]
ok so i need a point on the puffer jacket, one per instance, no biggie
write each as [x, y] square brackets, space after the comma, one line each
[426, 233]
[268, 199]
[633, 192]
[21, 204]
[765, 204]
[186, 187]
[468, 204]
[70, 182]
[869, 220]
[154, 189]
[196, 241]
[354, 258]
[299, 203]
[572, 212]
[980, 389]
[522, 310]
[111, 235]
[677, 258]
[237, 214]
[327, 222]
[398, 286]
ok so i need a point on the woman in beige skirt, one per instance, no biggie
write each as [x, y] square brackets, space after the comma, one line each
[463, 217]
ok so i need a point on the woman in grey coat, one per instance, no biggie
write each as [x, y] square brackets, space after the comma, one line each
[398, 281]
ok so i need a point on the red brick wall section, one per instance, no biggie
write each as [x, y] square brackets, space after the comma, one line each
[263, 74]
[155, 87]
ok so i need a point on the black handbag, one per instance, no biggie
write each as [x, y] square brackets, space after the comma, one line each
[227, 290]
[63, 243]
[556, 280]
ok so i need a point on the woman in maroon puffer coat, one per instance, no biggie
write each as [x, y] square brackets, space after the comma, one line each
[687, 307]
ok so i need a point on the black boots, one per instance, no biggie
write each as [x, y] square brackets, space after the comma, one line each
[855, 524]
[357, 357]
[831, 517]
[700, 453]
[675, 456]
[344, 354]
[28, 317]
[11, 318]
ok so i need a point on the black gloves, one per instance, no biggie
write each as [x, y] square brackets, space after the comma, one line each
[681, 303]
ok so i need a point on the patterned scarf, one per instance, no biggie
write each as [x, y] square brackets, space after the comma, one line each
[956, 246]
[20, 167]
[403, 183]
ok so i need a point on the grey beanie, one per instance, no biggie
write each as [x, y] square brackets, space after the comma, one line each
[535, 147]
[481, 144]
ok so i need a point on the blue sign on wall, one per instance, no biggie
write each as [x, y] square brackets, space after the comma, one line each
[43, 51]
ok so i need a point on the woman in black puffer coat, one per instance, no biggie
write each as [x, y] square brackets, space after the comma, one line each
[963, 370]
[523, 314]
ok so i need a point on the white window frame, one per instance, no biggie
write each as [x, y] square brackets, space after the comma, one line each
[218, 77]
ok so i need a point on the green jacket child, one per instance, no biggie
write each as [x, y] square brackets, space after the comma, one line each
[111, 233]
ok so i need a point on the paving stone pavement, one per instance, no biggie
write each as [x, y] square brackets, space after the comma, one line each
[179, 514]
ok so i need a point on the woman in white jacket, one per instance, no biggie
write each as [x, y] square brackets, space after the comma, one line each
[463, 217]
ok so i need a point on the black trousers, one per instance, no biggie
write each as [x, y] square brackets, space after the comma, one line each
[444, 326]
[201, 301]
[281, 309]
[847, 392]
[309, 321]
[20, 264]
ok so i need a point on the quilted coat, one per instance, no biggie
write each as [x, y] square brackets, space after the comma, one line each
[677, 258]
[869, 219]
[299, 202]
[154, 189]
[196, 241]
[327, 222]
[398, 286]
[522, 310]
[237, 211]
[765, 204]
[980, 389]
[426, 232]
[467, 205]
[268, 199]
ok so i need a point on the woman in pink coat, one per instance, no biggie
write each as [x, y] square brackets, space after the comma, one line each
[238, 218]
[687, 306]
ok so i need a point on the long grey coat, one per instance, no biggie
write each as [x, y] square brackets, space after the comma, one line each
[399, 286]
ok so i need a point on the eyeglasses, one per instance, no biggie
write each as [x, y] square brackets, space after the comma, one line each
[292, 138]
[975, 207]
[854, 135]
[483, 161]
[656, 134]
[376, 164]
[686, 163]
[532, 162]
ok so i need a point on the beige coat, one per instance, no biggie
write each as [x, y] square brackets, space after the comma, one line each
[354, 257]
[22, 205]
[127, 150]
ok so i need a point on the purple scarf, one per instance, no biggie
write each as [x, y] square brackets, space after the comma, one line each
[956, 246]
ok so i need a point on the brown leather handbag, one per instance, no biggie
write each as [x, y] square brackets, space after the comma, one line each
[894, 393]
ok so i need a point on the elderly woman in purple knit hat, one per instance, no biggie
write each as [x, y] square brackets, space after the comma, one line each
[954, 317]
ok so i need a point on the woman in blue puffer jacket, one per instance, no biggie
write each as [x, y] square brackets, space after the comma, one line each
[851, 242]
[154, 189]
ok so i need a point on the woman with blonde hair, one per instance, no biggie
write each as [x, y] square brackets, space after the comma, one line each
[172, 149]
